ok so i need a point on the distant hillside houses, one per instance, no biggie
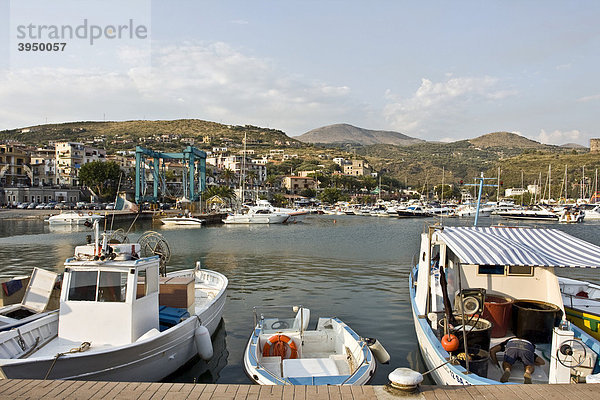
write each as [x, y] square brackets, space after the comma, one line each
[353, 167]
[532, 189]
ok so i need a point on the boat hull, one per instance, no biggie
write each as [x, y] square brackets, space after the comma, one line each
[257, 219]
[182, 221]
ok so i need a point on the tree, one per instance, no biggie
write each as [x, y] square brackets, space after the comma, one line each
[331, 195]
[279, 200]
[228, 175]
[102, 177]
[224, 192]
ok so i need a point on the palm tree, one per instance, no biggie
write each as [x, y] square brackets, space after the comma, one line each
[228, 175]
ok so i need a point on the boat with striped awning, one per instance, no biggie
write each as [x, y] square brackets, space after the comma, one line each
[485, 285]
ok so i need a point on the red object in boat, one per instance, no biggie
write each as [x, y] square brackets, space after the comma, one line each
[450, 342]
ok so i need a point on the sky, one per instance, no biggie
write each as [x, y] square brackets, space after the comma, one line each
[434, 70]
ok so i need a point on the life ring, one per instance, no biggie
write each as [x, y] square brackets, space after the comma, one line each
[280, 344]
[80, 214]
[90, 213]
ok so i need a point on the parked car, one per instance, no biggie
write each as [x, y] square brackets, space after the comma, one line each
[40, 206]
[50, 206]
[31, 206]
[23, 205]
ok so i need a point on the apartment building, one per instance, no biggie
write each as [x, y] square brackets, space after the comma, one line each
[13, 160]
[70, 156]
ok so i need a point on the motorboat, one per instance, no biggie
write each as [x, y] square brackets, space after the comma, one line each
[283, 351]
[74, 218]
[469, 280]
[592, 214]
[182, 220]
[119, 319]
[571, 216]
[259, 214]
[413, 211]
[34, 304]
[469, 210]
[534, 213]
[582, 304]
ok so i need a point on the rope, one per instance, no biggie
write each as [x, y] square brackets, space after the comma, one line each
[452, 358]
[83, 347]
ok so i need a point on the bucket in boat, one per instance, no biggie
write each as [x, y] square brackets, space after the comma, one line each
[478, 361]
[533, 320]
[498, 310]
[479, 332]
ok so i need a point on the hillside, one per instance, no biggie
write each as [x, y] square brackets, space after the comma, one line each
[345, 133]
[114, 135]
[507, 140]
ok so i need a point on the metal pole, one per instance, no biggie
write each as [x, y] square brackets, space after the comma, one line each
[479, 199]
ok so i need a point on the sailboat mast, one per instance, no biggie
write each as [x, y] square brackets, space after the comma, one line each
[498, 192]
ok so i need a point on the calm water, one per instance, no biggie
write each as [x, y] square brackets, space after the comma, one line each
[352, 267]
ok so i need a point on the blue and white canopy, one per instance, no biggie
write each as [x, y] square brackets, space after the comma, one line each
[520, 246]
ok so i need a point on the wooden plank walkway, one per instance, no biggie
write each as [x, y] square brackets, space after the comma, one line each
[35, 389]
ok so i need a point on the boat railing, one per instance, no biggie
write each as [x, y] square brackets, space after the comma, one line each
[574, 296]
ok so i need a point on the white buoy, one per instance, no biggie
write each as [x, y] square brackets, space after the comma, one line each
[405, 379]
[203, 343]
[378, 350]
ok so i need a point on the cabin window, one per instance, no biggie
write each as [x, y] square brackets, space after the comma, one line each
[82, 285]
[141, 284]
[112, 286]
[490, 270]
[520, 270]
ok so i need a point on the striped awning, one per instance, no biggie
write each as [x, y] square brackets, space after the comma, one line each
[520, 246]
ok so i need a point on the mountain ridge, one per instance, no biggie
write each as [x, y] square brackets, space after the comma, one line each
[346, 133]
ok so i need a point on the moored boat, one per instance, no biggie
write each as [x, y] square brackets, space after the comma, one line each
[461, 273]
[113, 324]
[282, 351]
[582, 304]
[182, 220]
[34, 304]
[259, 214]
[74, 218]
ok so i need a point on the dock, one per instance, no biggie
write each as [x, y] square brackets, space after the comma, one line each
[38, 389]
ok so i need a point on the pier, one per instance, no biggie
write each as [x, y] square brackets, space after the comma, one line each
[36, 389]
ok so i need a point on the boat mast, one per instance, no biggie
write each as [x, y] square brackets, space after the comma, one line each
[498, 191]
[243, 171]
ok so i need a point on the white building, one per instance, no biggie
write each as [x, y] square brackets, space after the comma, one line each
[70, 156]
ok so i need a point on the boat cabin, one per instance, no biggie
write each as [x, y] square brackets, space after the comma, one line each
[109, 302]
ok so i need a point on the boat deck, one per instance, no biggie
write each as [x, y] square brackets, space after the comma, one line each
[35, 389]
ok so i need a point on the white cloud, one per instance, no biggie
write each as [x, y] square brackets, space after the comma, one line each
[589, 98]
[210, 81]
[442, 102]
[559, 137]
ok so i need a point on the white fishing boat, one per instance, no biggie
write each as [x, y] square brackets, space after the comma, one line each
[464, 272]
[283, 351]
[259, 214]
[34, 304]
[118, 319]
[74, 218]
[182, 220]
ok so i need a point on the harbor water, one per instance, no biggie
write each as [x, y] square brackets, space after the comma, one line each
[352, 267]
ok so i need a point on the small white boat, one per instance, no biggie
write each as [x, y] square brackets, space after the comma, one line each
[496, 270]
[469, 210]
[34, 303]
[259, 214]
[112, 323]
[182, 220]
[592, 214]
[74, 218]
[285, 352]
[568, 216]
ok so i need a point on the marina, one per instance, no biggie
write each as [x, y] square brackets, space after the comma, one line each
[352, 267]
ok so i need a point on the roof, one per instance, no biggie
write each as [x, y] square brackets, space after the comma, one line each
[520, 246]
